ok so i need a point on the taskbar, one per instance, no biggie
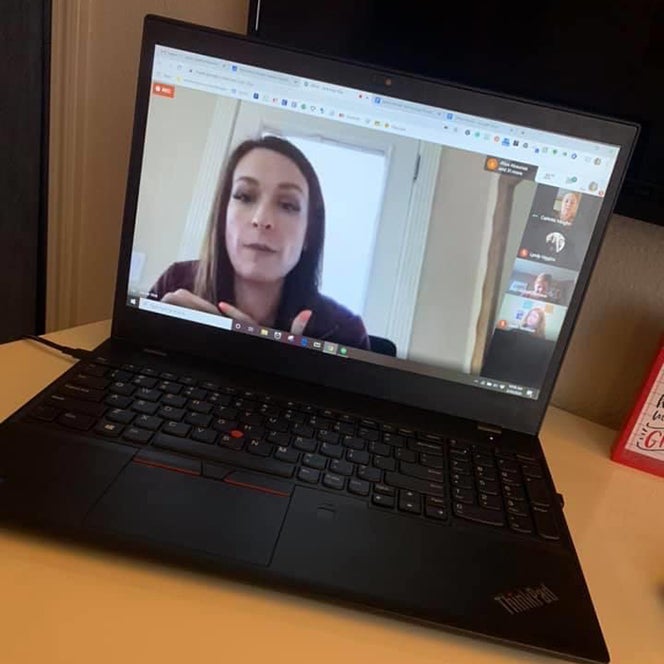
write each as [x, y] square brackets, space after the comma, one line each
[329, 347]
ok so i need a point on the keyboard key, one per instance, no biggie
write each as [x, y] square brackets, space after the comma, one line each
[432, 512]
[380, 448]
[92, 369]
[83, 393]
[224, 425]
[45, 413]
[478, 514]
[120, 415]
[333, 481]
[508, 477]
[75, 406]
[145, 381]
[109, 429]
[431, 437]
[369, 474]
[117, 401]
[253, 431]
[303, 430]
[532, 470]
[226, 440]
[384, 463]
[280, 438]
[393, 439]
[145, 407]
[341, 467]
[424, 473]
[95, 382]
[125, 389]
[382, 500]
[198, 419]
[368, 423]
[462, 481]
[358, 487]
[410, 502]
[309, 475]
[516, 507]
[486, 473]
[203, 435]
[286, 454]
[170, 413]
[151, 422]
[177, 429]
[368, 434]
[76, 421]
[169, 387]
[192, 392]
[538, 492]
[427, 448]
[305, 444]
[483, 460]
[344, 428]
[181, 402]
[463, 495]
[147, 394]
[460, 467]
[260, 448]
[277, 424]
[354, 443]
[490, 502]
[358, 456]
[435, 501]
[429, 460]
[520, 524]
[227, 412]
[402, 454]
[167, 375]
[149, 371]
[385, 489]
[314, 461]
[488, 487]
[459, 449]
[508, 464]
[329, 437]
[139, 436]
[333, 451]
[545, 524]
[194, 405]
[414, 484]
[514, 492]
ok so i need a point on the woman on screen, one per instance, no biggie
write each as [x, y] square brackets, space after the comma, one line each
[261, 257]
[535, 323]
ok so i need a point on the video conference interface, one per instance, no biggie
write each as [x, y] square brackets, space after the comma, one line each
[360, 226]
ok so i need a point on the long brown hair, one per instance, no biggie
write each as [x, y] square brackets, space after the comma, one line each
[215, 274]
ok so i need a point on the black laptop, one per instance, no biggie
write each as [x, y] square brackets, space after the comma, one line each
[343, 298]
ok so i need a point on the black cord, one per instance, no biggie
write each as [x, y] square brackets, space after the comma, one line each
[78, 353]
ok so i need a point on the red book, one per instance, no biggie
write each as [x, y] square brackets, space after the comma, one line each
[641, 442]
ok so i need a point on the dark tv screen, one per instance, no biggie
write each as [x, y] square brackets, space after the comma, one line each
[600, 57]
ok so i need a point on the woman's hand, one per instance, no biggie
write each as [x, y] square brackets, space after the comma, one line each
[299, 322]
[184, 298]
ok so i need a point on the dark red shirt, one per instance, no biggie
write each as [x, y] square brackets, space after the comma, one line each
[330, 321]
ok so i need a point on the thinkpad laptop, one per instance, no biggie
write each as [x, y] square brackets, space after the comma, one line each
[343, 298]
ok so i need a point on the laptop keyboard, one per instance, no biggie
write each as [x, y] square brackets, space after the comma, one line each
[203, 427]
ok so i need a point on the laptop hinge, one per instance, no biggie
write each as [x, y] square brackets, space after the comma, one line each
[154, 351]
[489, 428]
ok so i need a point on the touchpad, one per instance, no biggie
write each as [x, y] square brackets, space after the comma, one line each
[190, 513]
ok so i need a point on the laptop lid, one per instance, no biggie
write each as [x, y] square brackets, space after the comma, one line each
[366, 230]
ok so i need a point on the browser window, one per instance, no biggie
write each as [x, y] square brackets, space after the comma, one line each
[360, 225]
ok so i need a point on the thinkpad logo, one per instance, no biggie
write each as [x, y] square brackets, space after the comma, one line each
[526, 599]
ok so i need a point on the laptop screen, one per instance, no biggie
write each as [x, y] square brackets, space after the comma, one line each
[362, 226]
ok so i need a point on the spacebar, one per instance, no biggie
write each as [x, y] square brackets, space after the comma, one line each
[222, 455]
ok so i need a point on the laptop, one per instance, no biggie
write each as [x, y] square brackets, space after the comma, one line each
[343, 297]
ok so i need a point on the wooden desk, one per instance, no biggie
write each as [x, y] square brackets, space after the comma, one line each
[65, 604]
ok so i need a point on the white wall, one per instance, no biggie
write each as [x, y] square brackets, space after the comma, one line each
[445, 320]
[94, 64]
[169, 175]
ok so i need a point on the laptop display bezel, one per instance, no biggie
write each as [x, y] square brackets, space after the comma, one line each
[452, 398]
